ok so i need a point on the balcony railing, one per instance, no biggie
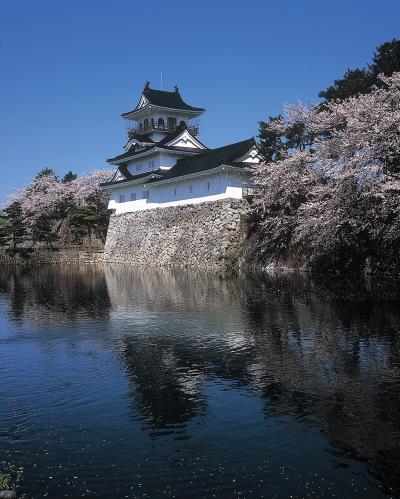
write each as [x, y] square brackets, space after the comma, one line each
[140, 130]
[248, 191]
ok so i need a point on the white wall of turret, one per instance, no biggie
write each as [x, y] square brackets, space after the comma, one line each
[150, 162]
[187, 190]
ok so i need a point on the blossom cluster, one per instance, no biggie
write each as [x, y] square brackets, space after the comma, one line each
[48, 195]
[338, 198]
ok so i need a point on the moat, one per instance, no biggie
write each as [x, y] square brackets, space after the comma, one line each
[141, 383]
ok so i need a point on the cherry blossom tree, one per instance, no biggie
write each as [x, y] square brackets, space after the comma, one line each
[50, 202]
[332, 199]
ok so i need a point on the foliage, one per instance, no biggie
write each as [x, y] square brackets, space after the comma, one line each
[275, 141]
[386, 60]
[4, 229]
[89, 221]
[332, 200]
[69, 177]
[12, 226]
[48, 204]
[43, 230]
[46, 172]
[354, 82]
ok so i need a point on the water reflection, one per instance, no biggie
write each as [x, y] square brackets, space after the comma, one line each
[54, 295]
[327, 355]
[320, 357]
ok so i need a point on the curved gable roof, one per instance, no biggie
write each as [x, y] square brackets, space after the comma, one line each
[210, 158]
[162, 98]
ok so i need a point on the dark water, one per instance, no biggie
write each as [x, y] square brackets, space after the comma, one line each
[172, 384]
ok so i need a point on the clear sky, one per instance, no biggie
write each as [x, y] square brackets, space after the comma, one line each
[69, 68]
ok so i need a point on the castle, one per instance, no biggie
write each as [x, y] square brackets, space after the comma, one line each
[165, 164]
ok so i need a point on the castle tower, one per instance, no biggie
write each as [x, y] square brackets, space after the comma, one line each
[159, 113]
[165, 164]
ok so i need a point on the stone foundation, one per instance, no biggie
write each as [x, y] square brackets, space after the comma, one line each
[206, 235]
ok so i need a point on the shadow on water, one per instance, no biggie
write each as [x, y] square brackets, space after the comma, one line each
[319, 360]
[50, 295]
[323, 351]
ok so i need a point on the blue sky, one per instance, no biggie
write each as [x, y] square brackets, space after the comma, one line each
[68, 69]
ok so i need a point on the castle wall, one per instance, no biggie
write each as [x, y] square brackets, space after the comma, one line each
[205, 235]
[182, 191]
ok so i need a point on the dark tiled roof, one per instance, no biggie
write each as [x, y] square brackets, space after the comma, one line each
[143, 139]
[210, 158]
[197, 162]
[124, 170]
[162, 98]
[131, 152]
[174, 135]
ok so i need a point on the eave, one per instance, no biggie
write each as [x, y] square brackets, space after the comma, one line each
[217, 169]
[124, 182]
[135, 114]
[149, 152]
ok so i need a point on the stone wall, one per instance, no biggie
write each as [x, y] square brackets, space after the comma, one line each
[47, 257]
[206, 235]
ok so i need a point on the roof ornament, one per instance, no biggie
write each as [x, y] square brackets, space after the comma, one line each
[147, 84]
[176, 89]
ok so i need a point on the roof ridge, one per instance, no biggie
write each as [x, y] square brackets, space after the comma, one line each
[221, 148]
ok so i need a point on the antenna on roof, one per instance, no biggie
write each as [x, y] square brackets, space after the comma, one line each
[161, 81]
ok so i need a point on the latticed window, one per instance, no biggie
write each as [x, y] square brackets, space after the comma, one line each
[145, 195]
[171, 120]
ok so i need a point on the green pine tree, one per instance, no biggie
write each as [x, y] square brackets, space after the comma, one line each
[15, 225]
[4, 230]
[43, 230]
[90, 221]
[386, 60]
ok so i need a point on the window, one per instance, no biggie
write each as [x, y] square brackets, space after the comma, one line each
[174, 191]
[138, 167]
[122, 198]
[146, 124]
[171, 122]
[161, 122]
[145, 195]
[133, 196]
[208, 186]
[151, 165]
[190, 188]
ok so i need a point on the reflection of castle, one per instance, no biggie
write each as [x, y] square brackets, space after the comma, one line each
[165, 164]
[326, 364]
[308, 357]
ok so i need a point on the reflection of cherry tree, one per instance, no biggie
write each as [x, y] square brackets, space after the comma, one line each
[340, 186]
[331, 364]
